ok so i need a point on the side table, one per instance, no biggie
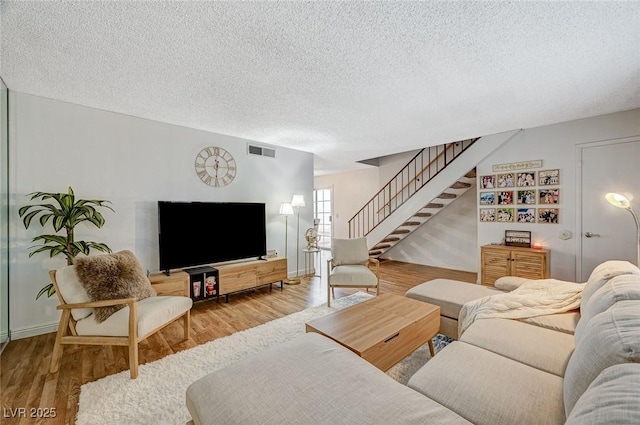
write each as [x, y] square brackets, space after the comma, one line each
[310, 262]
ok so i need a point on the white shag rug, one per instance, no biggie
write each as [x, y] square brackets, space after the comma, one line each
[157, 396]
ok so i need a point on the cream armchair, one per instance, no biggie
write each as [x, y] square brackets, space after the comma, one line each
[349, 267]
[127, 326]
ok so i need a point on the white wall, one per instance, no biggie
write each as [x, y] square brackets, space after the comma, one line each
[447, 240]
[391, 165]
[556, 146]
[133, 163]
[350, 192]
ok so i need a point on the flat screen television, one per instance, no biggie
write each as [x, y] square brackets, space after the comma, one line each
[201, 233]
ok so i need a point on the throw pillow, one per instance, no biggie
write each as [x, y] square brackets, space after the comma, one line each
[509, 283]
[110, 277]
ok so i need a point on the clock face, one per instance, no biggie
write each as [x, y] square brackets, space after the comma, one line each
[215, 166]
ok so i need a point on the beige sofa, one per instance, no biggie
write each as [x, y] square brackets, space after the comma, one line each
[500, 372]
[451, 295]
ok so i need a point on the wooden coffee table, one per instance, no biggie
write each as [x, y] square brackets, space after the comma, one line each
[382, 330]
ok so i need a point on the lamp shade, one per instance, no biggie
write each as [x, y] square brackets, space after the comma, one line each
[286, 209]
[297, 201]
[618, 200]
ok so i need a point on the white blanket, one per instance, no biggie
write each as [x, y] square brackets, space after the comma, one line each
[533, 298]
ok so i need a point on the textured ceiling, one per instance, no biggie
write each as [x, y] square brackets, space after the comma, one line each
[345, 80]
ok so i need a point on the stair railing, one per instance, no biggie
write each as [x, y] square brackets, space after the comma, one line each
[419, 171]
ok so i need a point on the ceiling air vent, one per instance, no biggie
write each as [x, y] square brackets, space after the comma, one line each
[262, 151]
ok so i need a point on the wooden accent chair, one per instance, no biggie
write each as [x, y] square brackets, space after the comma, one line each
[348, 267]
[127, 327]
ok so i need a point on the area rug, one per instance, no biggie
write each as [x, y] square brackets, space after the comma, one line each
[157, 396]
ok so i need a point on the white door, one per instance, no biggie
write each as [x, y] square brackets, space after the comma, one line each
[608, 233]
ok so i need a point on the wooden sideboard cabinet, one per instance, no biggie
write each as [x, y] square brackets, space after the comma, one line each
[231, 278]
[250, 274]
[177, 283]
[499, 260]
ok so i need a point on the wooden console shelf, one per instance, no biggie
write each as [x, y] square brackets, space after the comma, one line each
[177, 283]
[232, 277]
[500, 260]
[250, 274]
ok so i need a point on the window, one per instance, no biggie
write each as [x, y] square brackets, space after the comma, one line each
[322, 208]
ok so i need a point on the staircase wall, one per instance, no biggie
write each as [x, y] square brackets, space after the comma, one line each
[448, 240]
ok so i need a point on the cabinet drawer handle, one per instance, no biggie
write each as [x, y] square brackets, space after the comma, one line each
[392, 337]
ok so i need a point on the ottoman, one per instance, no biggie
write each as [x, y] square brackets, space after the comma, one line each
[450, 295]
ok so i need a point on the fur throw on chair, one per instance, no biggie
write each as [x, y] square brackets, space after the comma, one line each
[112, 276]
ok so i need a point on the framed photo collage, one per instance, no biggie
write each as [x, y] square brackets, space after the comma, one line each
[520, 197]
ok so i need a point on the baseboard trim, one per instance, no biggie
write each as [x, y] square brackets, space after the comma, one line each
[30, 331]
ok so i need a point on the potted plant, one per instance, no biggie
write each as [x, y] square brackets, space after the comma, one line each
[64, 212]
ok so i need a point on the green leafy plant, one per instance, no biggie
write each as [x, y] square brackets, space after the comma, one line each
[64, 212]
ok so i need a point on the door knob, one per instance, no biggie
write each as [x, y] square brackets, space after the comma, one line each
[591, 235]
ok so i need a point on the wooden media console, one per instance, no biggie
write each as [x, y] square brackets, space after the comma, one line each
[232, 278]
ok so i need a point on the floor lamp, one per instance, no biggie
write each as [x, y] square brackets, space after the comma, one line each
[297, 202]
[621, 201]
[286, 210]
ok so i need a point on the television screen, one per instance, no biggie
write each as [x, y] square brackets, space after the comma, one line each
[200, 233]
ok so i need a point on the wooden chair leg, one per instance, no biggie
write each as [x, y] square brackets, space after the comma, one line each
[133, 358]
[187, 324]
[133, 340]
[56, 356]
[329, 294]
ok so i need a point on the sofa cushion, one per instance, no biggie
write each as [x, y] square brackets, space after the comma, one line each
[623, 287]
[450, 295]
[532, 345]
[349, 251]
[487, 389]
[309, 380]
[603, 273]
[152, 313]
[72, 291]
[612, 398]
[560, 322]
[609, 338]
[353, 275]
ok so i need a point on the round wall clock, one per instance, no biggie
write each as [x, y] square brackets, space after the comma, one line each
[215, 166]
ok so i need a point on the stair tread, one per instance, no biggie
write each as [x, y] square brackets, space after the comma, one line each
[460, 185]
[411, 223]
[445, 195]
[390, 239]
[423, 214]
[434, 205]
[400, 231]
[471, 174]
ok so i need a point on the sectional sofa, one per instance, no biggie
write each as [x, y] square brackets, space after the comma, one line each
[501, 371]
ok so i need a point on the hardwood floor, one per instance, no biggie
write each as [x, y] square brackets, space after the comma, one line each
[26, 383]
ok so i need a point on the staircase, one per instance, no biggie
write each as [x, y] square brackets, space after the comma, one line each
[430, 181]
[463, 184]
